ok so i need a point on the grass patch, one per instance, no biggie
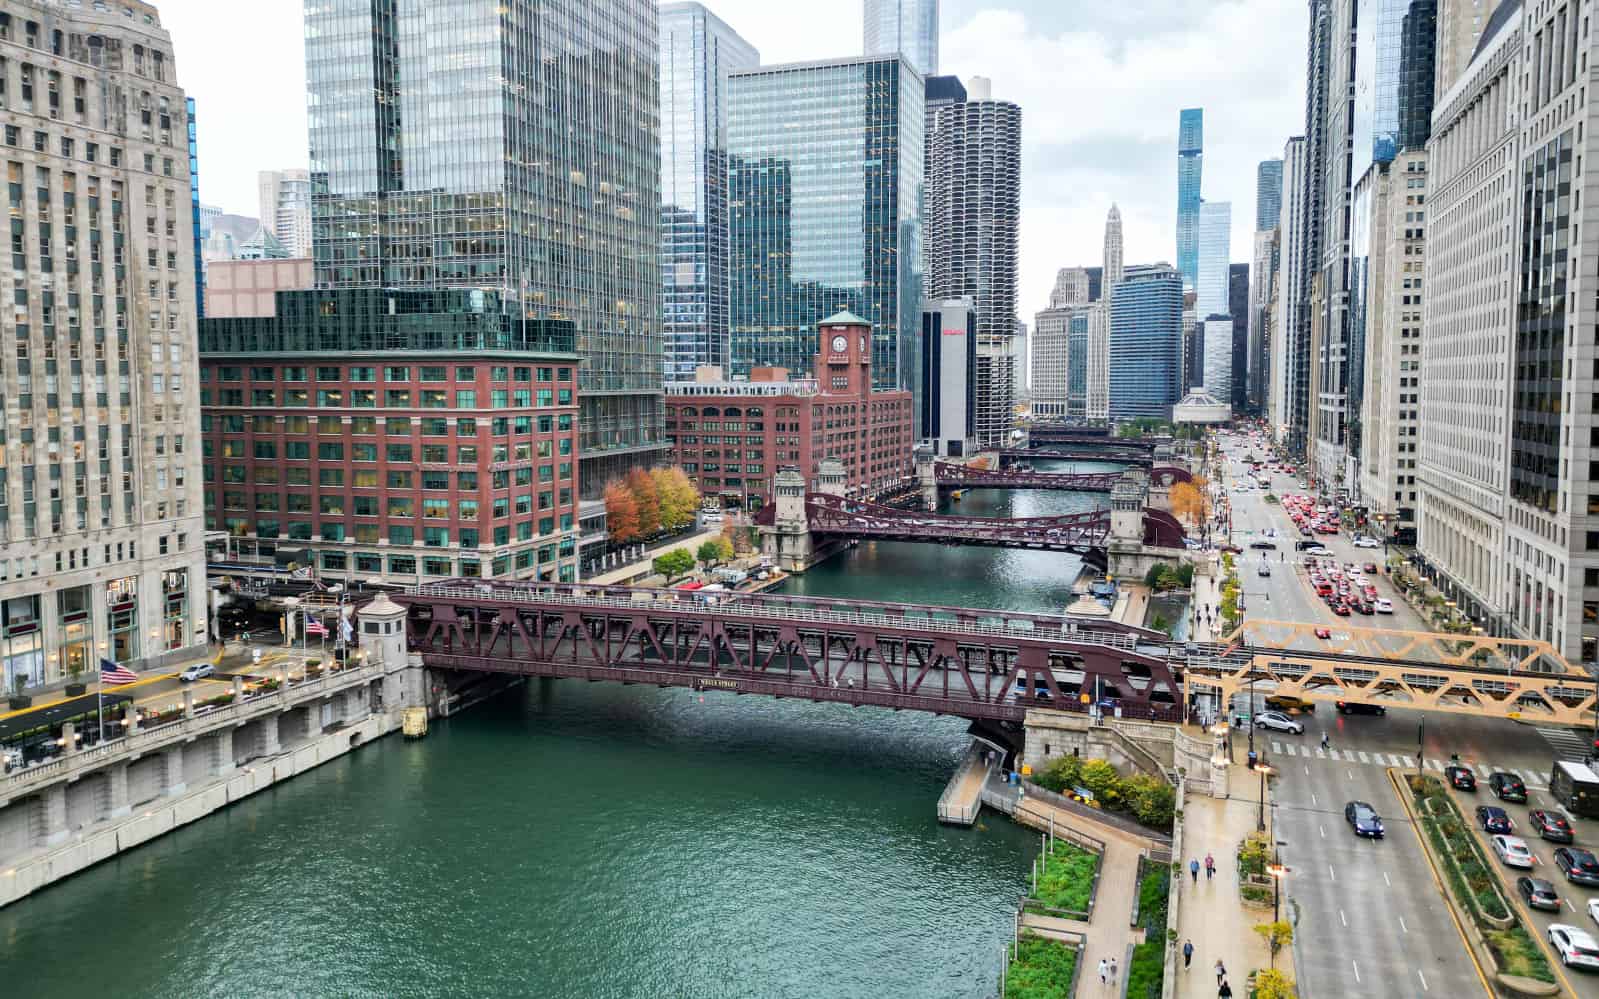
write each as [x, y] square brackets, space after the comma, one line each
[1041, 969]
[1148, 968]
[1473, 883]
[1067, 879]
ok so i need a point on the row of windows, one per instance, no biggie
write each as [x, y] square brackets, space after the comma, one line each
[430, 454]
[373, 534]
[392, 398]
[391, 373]
[403, 507]
[433, 565]
[393, 426]
[369, 478]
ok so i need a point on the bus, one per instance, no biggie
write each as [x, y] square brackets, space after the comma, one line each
[1576, 788]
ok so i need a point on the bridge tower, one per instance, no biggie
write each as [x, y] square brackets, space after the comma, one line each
[1127, 500]
[831, 478]
[927, 476]
[788, 539]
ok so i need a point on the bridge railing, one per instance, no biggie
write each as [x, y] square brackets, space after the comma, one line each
[731, 606]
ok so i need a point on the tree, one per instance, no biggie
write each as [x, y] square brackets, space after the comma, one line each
[739, 539]
[1060, 774]
[1273, 984]
[1100, 777]
[673, 563]
[678, 497]
[648, 501]
[715, 550]
[621, 512]
[1277, 935]
[1189, 503]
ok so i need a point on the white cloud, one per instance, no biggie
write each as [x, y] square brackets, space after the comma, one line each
[1100, 87]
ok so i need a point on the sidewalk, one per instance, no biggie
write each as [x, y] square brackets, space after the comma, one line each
[1207, 593]
[1211, 913]
[641, 568]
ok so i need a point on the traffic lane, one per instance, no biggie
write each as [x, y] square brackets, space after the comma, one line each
[1370, 918]
[1573, 898]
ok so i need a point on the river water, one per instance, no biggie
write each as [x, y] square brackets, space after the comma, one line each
[575, 840]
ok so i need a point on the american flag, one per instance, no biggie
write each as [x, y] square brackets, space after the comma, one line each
[116, 674]
[315, 627]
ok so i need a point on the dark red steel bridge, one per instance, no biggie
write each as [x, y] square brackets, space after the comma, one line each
[951, 475]
[1043, 433]
[1079, 452]
[982, 665]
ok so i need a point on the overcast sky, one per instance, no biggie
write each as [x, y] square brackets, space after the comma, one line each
[1100, 85]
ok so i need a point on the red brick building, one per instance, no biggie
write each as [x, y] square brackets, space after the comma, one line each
[732, 437]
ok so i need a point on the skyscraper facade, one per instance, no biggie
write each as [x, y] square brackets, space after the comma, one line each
[907, 26]
[1190, 170]
[1071, 288]
[825, 177]
[1145, 344]
[1268, 194]
[480, 180]
[285, 197]
[1217, 368]
[698, 50]
[1238, 312]
[1113, 267]
[1215, 247]
[973, 198]
[1290, 350]
[102, 554]
[1340, 157]
[1077, 365]
[1262, 274]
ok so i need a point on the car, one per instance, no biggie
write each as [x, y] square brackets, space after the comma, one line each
[1551, 824]
[1383, 605]
[1232, 549]
[1323, 633]
[1341, 609]
[198, 671]
[1370, 567]
[1540, 894]
[1461, 778]
[1319, 551]
[1363, 819]
[1276, 721]
[1264, 570]
[1363, 606]
[1513, 851]
[1494, 819]
[1507, 787]
[1264, 545]
[1574, 946]
[1289, 703]
[1579, 866]
[1365, 542]
[1357, 708]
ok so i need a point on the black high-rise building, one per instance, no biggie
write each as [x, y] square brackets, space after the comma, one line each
[1238, 308]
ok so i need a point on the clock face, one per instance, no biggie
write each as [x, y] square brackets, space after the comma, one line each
[840, 344]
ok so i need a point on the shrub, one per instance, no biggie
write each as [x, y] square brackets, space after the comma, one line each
[1060, 774]
[1067, 879]
[1100, 777]
[1041, 969]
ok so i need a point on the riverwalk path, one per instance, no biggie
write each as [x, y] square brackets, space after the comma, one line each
[1210, 911]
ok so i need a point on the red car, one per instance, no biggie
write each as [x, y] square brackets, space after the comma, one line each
[1341, 609]
[1323, 633]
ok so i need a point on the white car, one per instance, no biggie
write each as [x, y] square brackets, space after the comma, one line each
[1276, 721]
[1513, 851]
[1365, 542]
[198, 671]
[1384, 605]
[1593, 909]
[1318, 552]
[1576, 948]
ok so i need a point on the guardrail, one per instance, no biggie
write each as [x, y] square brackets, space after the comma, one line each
[146, 738]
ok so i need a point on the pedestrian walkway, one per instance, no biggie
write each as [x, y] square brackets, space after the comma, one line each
[1341, 757]
[1210, 911]
[1567, 744]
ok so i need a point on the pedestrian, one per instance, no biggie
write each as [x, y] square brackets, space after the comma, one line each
[1210, 867]
[1193, 868]
[1104, 967]
[1221, 971]
[1113, 971]
[1225, 992]
[1323, 739]
[1188, 953]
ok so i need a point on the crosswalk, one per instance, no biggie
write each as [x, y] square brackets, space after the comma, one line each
[1567, 743]
[1536, 781]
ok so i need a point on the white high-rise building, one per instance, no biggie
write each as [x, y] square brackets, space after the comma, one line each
[1113, 270]
[1217, 345]
[1290, 351]
[1097, 375]
[286, 208]
[1215, 247]
[1071, 288]
[102, 554]
[908, 26]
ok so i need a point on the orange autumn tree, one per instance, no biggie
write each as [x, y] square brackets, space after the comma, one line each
[1189, 503]
[621, 512]
[646, 499]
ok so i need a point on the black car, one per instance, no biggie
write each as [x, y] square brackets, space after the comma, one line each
[1357, 708]
[1507, 787]
[1551, 824]
[1264, 545]
[1580, 866]
[1493, 819]
[1363, 819]
[1538, 893]
[1461, 778]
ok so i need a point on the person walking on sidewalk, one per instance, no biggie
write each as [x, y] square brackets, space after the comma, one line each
[1103, 969]
[1188, 953]
[1113, 972]
[1210, 867]
[1221, 971]
[1193, 868]
[1225, 991]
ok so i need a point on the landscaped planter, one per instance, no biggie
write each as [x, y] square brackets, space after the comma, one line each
[19, 701]
[76, 689]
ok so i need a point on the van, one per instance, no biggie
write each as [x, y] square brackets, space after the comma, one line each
[1305, 546]
[1575, 787]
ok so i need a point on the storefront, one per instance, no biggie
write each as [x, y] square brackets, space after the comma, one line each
[21, 643]
[72, 656]
[122, 619]
[175, 594]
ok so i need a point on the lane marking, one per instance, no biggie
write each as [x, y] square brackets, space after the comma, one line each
[1402, 925]
[1341, 918]
[1385, 879]
[1357, 969]
[1364, 758]
[1350, 773]
[1307, 771]
[1323, 831]
[1331, 873]
[1313, 798]
[1424, 986]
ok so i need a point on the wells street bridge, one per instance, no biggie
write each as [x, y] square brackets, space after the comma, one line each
[951, 475]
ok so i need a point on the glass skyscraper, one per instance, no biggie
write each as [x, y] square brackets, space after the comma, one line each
[1379, 29]
[510, 146]
[824, 194]
[1268, 194]
[1146, 342]
[1215, 247]
[1190, 165]
[908, 26]
[697, 51]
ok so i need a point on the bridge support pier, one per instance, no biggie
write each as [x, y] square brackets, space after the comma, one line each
[788, 540]
[927, 477]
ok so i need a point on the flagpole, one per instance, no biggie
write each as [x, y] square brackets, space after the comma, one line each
[99, 702]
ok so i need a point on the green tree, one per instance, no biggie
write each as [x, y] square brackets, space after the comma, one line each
[1100, 777]
[678, 497]
[1060, 774]
[673, 563]
[1277, 935]
[715, 550]
[1151, 800]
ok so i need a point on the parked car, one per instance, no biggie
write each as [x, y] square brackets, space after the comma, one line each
[1288, 703]
[1276, 721]
[1540, 894]
[1357, 708]
[1363, 819]
[1551, 824]
[1507, 787]
[1579, 866]
[1513, 851]
[1460, 778]
[1493, 819]
[1576, 948]
[198, 671]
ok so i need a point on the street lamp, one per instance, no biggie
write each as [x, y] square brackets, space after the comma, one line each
[1278, 871]
[1260, 813]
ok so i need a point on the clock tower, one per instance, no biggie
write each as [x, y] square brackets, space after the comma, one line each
[844, 355]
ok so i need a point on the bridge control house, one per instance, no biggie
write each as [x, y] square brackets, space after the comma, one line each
[394, 435]
[731, 437]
